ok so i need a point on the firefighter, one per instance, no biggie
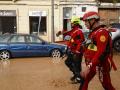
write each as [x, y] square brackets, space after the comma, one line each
[98, 52]
[75, 50]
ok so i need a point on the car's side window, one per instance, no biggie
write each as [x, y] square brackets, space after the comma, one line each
[18, 39]
[32, 39]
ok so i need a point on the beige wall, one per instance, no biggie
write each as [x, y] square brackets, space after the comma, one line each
[22, 21]
[23, 17]
[23, 7]
[22, 10]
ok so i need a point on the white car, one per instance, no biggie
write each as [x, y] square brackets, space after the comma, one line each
[116, 36]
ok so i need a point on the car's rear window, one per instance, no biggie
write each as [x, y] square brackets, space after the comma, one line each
[4, 38]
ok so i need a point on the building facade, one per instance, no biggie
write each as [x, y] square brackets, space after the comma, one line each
[109, 13]
[35, 16]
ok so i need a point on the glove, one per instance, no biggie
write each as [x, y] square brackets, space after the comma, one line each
[58, 33]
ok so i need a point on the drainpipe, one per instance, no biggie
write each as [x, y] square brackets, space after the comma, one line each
[52, 21]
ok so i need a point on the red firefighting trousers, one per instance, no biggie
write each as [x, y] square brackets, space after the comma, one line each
[105, 79]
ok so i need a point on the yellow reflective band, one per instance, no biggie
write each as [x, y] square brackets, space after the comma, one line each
[92, 47]
[102, 38]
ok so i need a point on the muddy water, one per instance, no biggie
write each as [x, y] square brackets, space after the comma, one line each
[43, 73]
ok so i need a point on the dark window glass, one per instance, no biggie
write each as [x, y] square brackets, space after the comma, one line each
[65, 24]
[109, 1]
[38, 25]
[83, 9]
[8, 25]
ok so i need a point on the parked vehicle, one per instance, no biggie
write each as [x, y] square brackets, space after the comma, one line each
[116, 36]
[24, 45]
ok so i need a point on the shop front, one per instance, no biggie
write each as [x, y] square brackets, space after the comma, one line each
[8, 21]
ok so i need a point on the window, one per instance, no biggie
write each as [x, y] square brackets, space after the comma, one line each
[67, 14]
[83, 9]
[67, 24]
[8, 24]
[38, 25]
[32, 39]
[38, 22]
[17, 39]
[4, 38]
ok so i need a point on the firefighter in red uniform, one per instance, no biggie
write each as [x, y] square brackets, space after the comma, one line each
[98, 53]
[75, 51]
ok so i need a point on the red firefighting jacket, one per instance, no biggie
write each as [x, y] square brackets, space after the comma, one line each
[100, 41]
[77, 37]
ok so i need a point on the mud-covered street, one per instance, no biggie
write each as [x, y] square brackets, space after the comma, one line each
[42, 73]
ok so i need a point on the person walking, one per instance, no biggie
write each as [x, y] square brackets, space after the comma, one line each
[98, 52]
[75, 51]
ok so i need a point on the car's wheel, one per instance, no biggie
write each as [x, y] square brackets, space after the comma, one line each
[56, 53]
[4, 55]
[116, 45]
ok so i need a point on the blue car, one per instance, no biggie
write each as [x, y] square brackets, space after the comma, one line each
[24, 45]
